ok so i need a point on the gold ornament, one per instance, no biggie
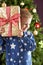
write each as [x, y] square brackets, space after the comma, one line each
[35, 32]
[34, 10]
[22, 3]
[3, 4]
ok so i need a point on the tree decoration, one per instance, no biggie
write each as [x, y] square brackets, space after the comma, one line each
[35, 32]
[3, 4]
[37, 25]
[34, 10]
[41, 43]
[22, 3]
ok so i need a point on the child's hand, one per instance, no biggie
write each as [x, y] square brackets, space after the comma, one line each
[20, 33]
[25, 27]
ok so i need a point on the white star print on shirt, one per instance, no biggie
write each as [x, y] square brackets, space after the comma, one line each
[31, 36]
[11, 59]
[14, 61]
[21, 40]
[21, 57]
[13, 39]
[20, 46]
[26, 60]
[21, 49]
[34, 43]
[12, 46]
[12, 52]
[10, 38]
[30, 47]
[18, 54]
[8, 53]
[29, 52]
[25, 44]
[19, 61]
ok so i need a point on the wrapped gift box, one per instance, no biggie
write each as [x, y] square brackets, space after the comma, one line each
[9, 20]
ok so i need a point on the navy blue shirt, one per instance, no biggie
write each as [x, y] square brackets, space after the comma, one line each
[18, 50]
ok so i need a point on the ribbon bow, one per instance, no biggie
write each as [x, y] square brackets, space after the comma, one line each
[11, 20]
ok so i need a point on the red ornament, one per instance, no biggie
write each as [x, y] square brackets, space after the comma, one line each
[37, 25]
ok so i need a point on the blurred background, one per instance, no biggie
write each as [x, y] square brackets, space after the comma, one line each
[39, 4]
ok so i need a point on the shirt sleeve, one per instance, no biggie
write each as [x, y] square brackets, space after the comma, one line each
[28, 41]
[2, 45]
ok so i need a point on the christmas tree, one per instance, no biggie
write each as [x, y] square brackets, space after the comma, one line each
[34, 27]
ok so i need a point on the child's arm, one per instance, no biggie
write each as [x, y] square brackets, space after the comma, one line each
[28, 41]
[26, 18]
[24, 28]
